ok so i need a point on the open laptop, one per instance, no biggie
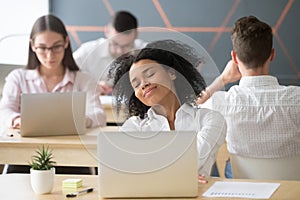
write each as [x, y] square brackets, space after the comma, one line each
[47, 114]
[147, 164]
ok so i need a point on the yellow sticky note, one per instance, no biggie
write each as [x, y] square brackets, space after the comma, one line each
[72, 183]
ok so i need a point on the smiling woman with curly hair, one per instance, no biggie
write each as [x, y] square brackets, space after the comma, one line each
[159, 85]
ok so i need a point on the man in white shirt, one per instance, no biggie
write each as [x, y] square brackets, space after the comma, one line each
[95, 56]
[263, 117]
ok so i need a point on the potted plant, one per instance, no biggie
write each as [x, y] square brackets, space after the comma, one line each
[42, 171]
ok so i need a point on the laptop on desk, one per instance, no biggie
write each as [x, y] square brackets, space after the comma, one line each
[147, 164]
[47, 114]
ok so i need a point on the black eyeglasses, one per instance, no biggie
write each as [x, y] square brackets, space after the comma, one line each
[55, 49]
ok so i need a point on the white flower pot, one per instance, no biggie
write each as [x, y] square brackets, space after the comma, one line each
[42, 181]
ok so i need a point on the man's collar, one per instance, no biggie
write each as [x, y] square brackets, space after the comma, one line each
[255, 81]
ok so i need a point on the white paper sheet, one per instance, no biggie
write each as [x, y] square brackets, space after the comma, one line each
[106, 99]
[251, 190]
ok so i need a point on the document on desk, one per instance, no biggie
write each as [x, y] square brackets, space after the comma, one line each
[253, 190]
[106, 99]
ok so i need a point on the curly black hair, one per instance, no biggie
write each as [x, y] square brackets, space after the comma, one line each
[182, 58]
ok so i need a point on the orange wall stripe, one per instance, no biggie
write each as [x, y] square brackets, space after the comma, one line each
[202, 29]
[108, 7]
[283, 14]
[153, 29]
[85, 28]
[162, 13]
[224, 24]
[286, 53]
[75, 37]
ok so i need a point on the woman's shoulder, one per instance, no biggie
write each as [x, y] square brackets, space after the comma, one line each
[134, 119]
[211, 117]
[133, 123]
[20, 72]
[208, 112]
[188, 107]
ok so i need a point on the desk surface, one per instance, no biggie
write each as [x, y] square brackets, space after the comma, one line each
[21, 183]
[67, 150]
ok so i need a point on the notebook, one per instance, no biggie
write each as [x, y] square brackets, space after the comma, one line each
[47, 114]
[252, 190]
[147, 164]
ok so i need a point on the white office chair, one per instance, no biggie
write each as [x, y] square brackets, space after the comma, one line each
[14, 52]
[272, 169]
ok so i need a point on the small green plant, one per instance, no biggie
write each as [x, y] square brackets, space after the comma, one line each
[43, 160]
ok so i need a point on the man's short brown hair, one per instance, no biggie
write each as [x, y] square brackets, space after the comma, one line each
[252, 41]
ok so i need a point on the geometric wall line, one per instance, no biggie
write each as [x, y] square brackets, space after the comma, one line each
[206, 21]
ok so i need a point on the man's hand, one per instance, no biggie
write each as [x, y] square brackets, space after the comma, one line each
[205, 94]
[231, 73]
[104, 88]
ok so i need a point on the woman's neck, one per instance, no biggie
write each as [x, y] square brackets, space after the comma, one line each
[54, 72]
[168, 110]
[52, 76]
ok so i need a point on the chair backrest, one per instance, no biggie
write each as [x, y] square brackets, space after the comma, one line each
[5, 69]
[13, 54]
[260, 168]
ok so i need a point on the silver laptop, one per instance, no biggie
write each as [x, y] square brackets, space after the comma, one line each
[147, 164]
[47, 114]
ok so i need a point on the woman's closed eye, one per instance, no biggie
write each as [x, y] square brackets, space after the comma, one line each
[135, 84]
[149, 74]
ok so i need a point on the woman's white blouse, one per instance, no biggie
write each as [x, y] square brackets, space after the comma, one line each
[21, 81]
[210, 125]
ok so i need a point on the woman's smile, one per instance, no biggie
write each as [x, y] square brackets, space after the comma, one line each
[149, 91]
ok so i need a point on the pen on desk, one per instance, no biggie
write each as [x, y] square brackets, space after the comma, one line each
[10, 134]
[75, 194]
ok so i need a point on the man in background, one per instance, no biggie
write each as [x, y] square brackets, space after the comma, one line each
[263, 117]
[95, 56]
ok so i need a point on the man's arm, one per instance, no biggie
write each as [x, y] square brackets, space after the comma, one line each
[230, 74]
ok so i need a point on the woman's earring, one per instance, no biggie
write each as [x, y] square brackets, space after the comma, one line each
[173, 76]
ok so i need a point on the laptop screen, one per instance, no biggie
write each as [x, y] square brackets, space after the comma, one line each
[147, 164]
[46, 114]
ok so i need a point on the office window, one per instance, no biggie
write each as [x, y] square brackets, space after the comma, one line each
[16, 19]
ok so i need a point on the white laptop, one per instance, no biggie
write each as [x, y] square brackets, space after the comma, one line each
[47, 114]
[147, 164]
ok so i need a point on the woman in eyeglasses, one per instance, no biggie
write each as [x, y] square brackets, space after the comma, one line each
[50, 68]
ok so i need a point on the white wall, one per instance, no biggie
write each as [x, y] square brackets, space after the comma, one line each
[16, 20]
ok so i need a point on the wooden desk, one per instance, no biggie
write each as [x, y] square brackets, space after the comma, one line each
[17, 186]
[67, 150]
